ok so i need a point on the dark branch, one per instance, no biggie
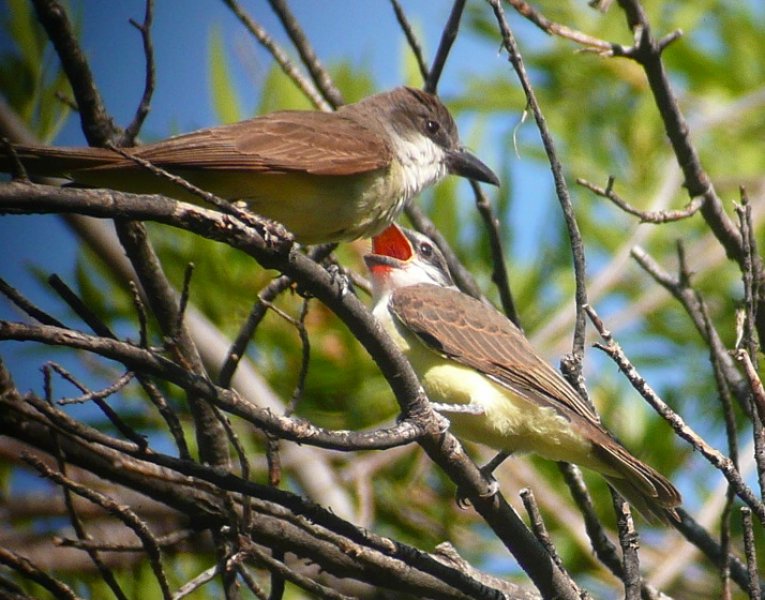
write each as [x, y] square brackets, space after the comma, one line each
[319, 74]
[96, 123]
[448, 36]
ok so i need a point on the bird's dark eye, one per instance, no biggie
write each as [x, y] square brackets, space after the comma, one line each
[432, 126]
[426, 250]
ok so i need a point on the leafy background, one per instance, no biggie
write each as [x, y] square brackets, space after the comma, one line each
[604, 122]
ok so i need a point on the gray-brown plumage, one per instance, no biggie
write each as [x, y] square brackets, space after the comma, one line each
[326, 176]
[473, 334]
[479, 368]
[280, 142]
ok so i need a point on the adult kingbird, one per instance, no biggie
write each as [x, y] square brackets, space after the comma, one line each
[466, 353]
[326, 176]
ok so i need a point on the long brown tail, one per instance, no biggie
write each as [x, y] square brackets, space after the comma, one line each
[651, 508]
[47, 161]
[652, 494]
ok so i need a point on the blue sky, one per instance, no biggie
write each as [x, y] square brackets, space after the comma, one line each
[364, 33]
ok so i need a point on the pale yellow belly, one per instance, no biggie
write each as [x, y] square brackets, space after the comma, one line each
[508, 422]
[315, 208]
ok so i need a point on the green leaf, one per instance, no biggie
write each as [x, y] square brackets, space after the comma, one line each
[226, 102]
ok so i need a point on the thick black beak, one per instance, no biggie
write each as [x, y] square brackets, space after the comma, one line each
[463, 163]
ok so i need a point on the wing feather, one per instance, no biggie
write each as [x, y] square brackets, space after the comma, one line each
[476, 335]
[288, 141]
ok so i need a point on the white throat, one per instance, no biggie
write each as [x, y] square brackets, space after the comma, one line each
[422, 162]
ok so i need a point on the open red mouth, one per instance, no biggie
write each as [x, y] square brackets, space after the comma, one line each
[392, 242]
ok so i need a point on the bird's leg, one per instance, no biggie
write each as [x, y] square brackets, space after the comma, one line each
[464, 409]
[274, 234]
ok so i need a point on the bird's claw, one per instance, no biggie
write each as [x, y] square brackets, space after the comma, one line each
[443, 423]
[463, 501]
[339, 277]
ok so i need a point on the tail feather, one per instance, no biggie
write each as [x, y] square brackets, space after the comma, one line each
[652, 494]
[47, 161]
[649, 507]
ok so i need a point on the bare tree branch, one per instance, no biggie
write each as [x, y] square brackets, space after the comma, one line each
[319, 74]
[561, 189]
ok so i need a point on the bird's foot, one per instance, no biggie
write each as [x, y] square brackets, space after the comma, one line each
[464, 409]
[274, 234]
[488, 473]
[464, 502]
[340, 278]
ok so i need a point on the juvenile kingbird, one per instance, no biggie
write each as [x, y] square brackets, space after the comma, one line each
[326, 176]
[468, 354]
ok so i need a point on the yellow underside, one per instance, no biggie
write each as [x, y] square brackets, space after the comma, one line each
[509, 422]
[316, 208]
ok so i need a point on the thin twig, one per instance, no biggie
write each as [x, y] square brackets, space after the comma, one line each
[305, 361]
[165, 541]
[628, 538]
[716, 458]
[140, 309]
[499, 267]
[110, 413]
[751, 554]
[109, 390]
[319, 74]
[647, 52]
[590, 43]
[654, 217]
[17, 170]
[280, 56]
[758, 413]
[105, 572]
[97, 126]
[749, 346]
[196, 582]
[605, 550]
[257, 312]
[162, 299]
[448, 36]
[561, 189]
[700, 538]
[29, 570]
[183, 301]
[320, 591]
[80, 307]
[693, 304]
[538, 525]
[26, 305]
[124, 514]
[723, 393]
[131, 131]
[414, 44]
[250, 582]
[404, 432]
[247, 330]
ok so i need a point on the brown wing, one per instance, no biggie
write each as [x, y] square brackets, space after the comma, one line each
[474, 334]
[288, 141]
